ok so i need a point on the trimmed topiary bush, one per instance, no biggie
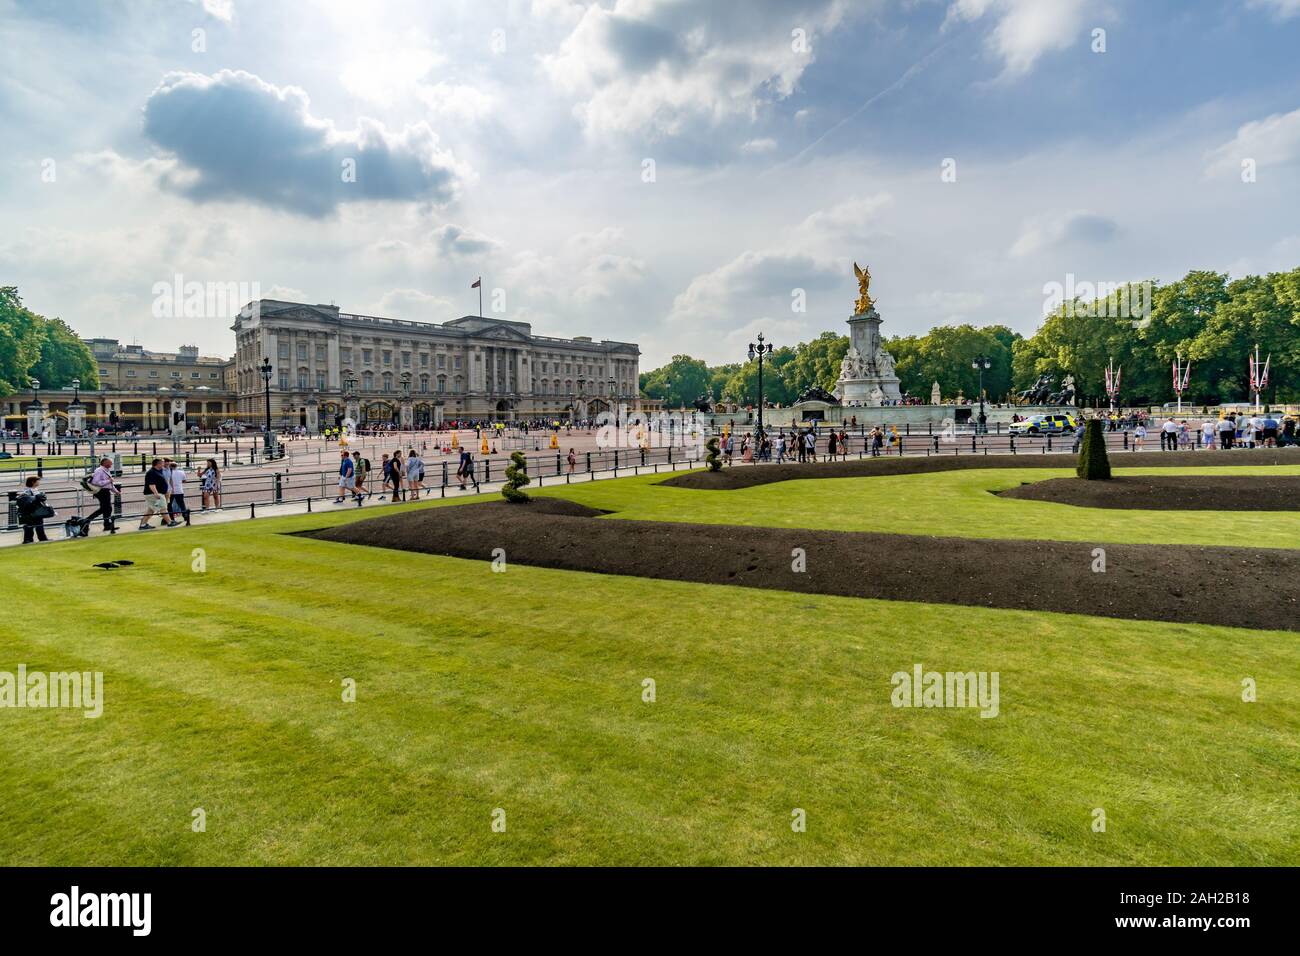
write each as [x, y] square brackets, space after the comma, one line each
[1094, 462]
[713, 459]
[516, 478]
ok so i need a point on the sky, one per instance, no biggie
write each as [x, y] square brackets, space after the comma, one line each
[683, 175]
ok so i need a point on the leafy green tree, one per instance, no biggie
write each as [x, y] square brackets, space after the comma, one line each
[64, 357]
[20, 341]
[679, 382]
[815, 363]
[944, 355]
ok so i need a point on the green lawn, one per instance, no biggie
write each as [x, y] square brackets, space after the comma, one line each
[954, 503]
[522, 691]
[28, 462]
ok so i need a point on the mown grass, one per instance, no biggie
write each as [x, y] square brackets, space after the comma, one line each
[523, 691]
[954, 503]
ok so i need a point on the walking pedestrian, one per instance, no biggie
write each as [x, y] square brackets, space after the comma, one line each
[414, 473]
[32, 511]
[176, 492]
[347, 478]
[102, 482]
[155, 495]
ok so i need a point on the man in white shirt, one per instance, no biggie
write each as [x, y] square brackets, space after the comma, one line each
[102, 482]
[176, 489]
[1169, 435]
[1227, 432]
[1207, 434]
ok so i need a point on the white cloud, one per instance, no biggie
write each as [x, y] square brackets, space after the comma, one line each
[1048, 232]
[414, 305]
[1272, 141]
[1026, 29]
[589, 270]
[457, 101]
[239, 137]
[457, 241]
[763, 145]
[652, 66]
[385, 75]
[1283, 9]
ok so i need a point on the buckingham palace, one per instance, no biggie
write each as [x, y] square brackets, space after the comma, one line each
[327, 365]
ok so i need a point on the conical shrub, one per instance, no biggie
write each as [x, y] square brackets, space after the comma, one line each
[1094, 462]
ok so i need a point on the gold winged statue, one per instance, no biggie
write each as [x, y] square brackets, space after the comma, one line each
[865, 302]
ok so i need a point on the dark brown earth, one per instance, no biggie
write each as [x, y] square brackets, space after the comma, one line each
[1232, 586]
[1169, 492]
[747, 476]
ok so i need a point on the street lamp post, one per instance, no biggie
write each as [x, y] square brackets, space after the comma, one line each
[982, 363]
[760, 351]
[265, 369]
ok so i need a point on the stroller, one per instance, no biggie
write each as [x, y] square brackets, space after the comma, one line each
[76, 527]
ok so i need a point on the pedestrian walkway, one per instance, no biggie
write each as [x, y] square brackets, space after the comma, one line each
[128, 524]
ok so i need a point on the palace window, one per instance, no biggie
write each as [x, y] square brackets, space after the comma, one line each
[442, 383]
[367, 356]
[442, 361]
[302, 378]
[388, 381]
[368, 381]
[284, 350]
[284, 381]
[424, 384]
[388, 356]
[320, 381]
[406, 360]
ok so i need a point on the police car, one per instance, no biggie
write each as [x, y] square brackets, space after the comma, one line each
[1044, 425]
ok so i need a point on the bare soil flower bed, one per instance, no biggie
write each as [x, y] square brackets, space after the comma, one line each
[747, 476]
[1204, 585]
[1169, 492]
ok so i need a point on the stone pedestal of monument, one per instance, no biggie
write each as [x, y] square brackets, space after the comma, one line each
[867, 372]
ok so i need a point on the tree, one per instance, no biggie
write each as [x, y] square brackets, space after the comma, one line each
[679, 382]
[20, 341]
[64, 357]
[944, 355]
[815, 363]
[516, 478]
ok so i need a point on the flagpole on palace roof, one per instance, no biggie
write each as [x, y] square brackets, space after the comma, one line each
[478, 284]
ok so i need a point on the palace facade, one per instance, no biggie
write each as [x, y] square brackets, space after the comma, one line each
[330, 364]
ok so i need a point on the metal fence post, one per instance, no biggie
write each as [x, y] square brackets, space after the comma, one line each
[279, 491]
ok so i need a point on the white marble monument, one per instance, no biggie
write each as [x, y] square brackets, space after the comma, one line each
[867, 372]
